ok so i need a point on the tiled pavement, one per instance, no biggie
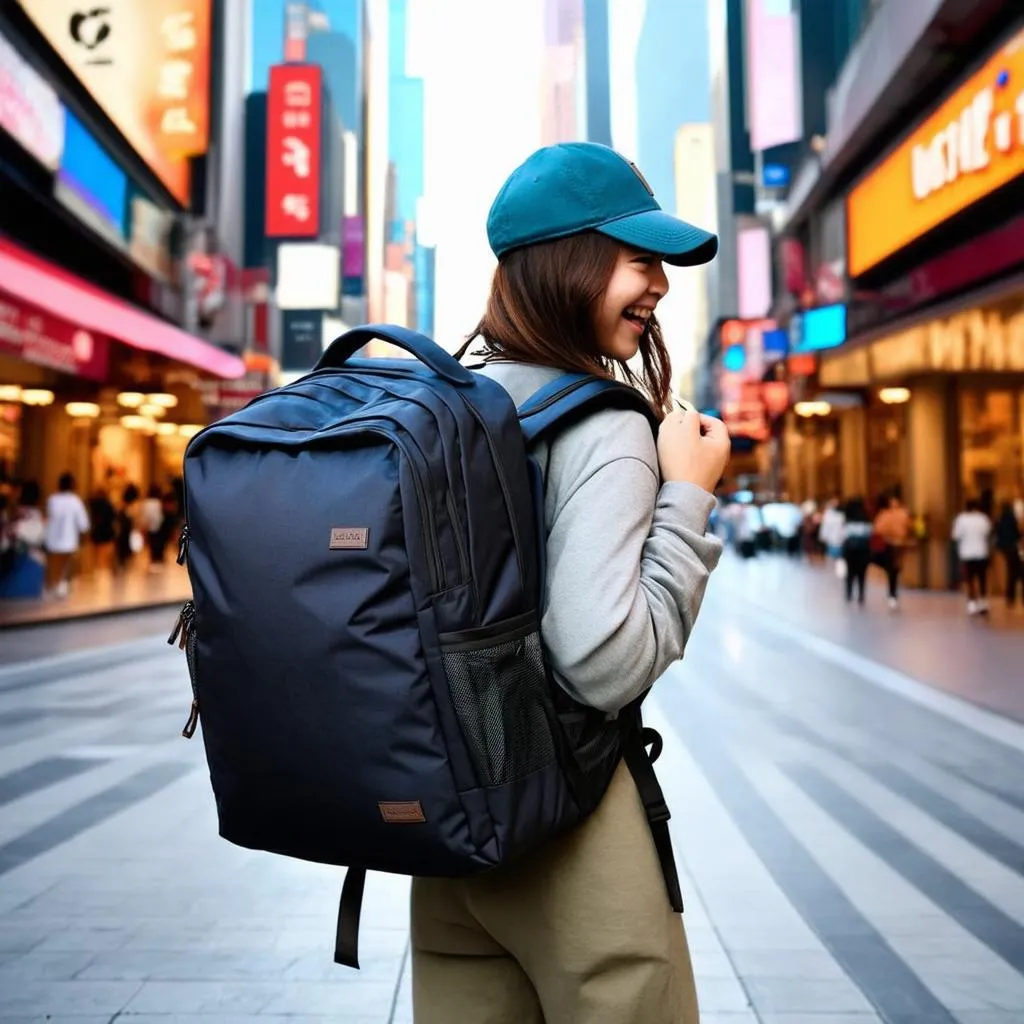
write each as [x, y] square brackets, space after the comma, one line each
[851, 844]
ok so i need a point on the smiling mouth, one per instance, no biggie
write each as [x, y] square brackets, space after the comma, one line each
[637, 317]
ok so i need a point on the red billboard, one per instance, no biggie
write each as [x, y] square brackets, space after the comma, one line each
[293, 151]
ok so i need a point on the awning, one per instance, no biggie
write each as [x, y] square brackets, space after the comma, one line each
[62, 294]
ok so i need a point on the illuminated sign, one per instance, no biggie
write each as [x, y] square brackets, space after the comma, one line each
[817, 329]
[293, 151]
[970, 146]
[147, 65]
[29, 108]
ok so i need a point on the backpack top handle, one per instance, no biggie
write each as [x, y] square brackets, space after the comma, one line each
[426, 351]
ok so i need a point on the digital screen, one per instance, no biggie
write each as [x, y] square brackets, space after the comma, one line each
[87, 171]
[817, 329]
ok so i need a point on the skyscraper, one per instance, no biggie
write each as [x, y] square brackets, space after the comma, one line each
[598, 72]
[673, 140]
[563, 95]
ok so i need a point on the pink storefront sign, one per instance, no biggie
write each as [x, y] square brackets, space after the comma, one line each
[29, 333]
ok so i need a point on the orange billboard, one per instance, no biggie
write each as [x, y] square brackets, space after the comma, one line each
[970, 146]
[147, 64]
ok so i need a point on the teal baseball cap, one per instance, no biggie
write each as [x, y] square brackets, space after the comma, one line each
[574, 187]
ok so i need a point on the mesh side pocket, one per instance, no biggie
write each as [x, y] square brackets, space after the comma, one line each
[500, 697]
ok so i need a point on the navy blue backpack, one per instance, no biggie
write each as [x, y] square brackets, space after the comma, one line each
[366, 553]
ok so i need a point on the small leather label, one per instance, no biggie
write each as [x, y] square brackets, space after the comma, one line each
[349, 538]
[402, 812]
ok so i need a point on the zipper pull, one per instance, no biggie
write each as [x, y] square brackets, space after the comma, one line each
[188, 618]
[193, 720]
[183, 544]
[178, 624]
[183, 625]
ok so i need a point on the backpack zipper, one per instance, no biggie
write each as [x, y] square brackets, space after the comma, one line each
[453, 515]
[184, 635]
[183, 541]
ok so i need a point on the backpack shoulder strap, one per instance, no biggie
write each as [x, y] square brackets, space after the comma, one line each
[573, 396]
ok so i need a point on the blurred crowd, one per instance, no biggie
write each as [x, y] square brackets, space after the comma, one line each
[854, 534]
[46, 544]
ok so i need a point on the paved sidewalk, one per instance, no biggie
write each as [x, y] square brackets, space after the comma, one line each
[850, 849]
[100, 594]
[930, 638]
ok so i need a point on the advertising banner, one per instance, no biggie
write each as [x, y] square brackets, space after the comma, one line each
[293, 151]
[147, 65]
[30, 111]
[971, 145]
[28, 333]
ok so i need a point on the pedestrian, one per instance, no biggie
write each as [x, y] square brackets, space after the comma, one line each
[892, 527]
[856, 547]
[103, 517]
[830, 532]
[151, 516]
[582, 930]
[1008, 536]
[129, 541]
[66, 521]
[972, 532]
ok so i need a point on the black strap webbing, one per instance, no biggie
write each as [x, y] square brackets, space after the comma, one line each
[346, 942]
[641, 767]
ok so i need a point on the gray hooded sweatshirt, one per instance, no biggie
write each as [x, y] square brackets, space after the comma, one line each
[628, 559]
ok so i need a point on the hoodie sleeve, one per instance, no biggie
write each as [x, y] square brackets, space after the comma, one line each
[627, 561]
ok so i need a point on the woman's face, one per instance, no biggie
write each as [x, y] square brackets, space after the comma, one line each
[637, 284]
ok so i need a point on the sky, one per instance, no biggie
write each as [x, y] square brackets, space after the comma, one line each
[481, 64]
[482, 119]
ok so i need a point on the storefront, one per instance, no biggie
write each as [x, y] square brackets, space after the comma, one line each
[92, 385]
[945, 413]
[934, 345]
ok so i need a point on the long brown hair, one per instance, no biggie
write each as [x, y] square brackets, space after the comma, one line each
[542, 308]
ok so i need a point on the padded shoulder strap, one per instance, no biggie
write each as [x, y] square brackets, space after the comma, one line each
[574, 395]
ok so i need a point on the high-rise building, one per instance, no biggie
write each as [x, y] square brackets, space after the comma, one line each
[406, 174]
[598, 72]
[696, 203]
[376, 110]
[673, 149]
[575, 81]
[563, 93]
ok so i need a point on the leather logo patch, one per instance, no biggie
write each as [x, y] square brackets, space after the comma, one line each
[402, 812]
[349, 538]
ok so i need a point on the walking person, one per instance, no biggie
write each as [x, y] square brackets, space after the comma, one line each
[582, 930]
[972, 533]
[66, 522]
[830, 531]
[103, 532]
[856, 547]
[892, 525]
[151, 516]
[1008, 537]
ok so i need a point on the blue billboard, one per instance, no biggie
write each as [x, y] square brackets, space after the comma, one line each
[818, 329]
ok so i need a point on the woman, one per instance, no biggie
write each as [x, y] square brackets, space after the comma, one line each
[1008, 541]
[856, 547]
[582, 929]
[892, 526]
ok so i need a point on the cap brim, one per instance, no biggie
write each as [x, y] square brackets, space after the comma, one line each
[678, 243]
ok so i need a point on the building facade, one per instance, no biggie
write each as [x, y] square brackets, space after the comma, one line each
[120, 239]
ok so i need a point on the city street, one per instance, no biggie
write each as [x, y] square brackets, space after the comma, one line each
[850, 831]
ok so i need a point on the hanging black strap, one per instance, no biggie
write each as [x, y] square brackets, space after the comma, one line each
[635, 742]
[346, 942]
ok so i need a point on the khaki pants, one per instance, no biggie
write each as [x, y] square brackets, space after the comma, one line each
[579, 933]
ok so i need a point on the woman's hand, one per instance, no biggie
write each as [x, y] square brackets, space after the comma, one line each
[693, 449]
